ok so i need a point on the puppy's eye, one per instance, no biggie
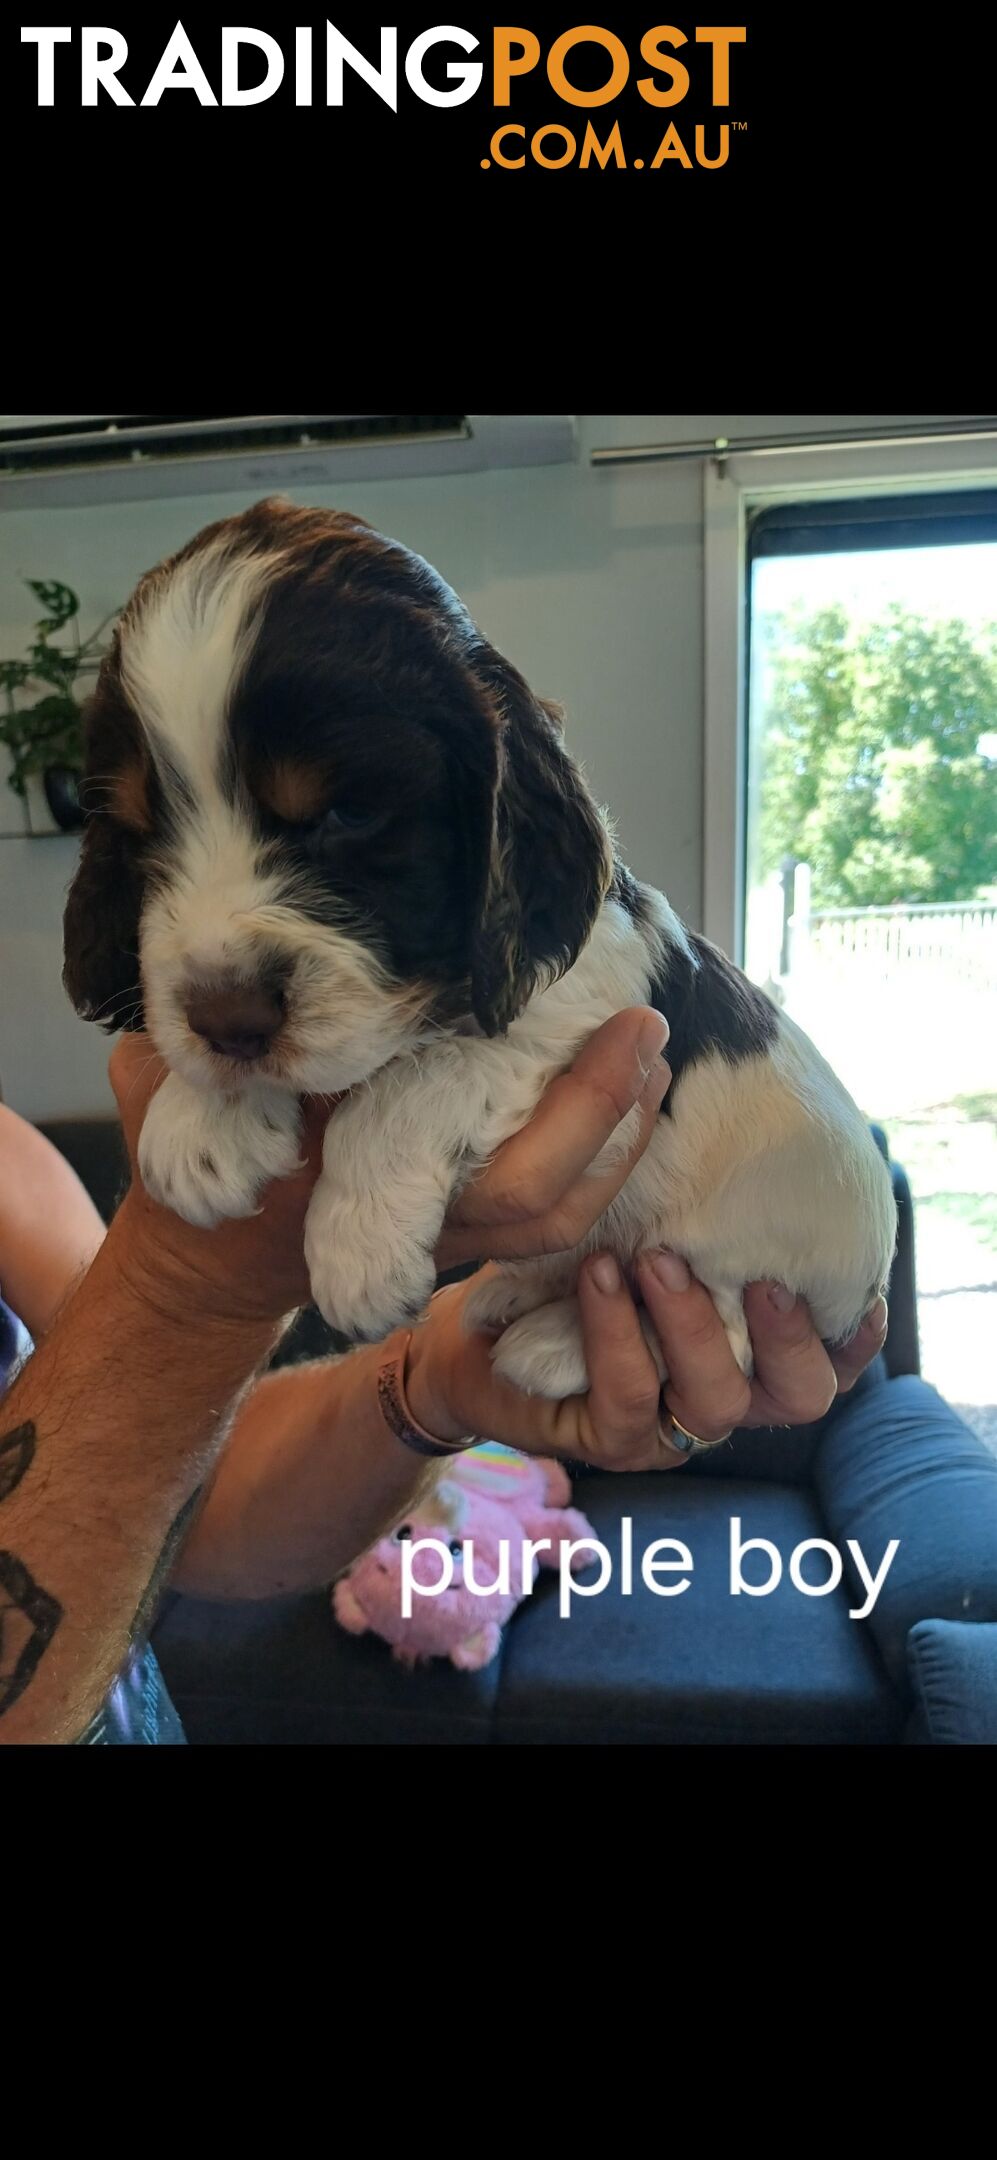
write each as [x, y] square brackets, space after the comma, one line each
[457, 1549]
[404, 1531]
[345, 817]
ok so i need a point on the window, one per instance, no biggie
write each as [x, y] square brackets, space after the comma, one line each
[870, 854]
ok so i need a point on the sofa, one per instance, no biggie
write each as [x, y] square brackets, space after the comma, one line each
[787, 1665]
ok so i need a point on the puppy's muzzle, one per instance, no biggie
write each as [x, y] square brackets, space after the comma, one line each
[238, 1020]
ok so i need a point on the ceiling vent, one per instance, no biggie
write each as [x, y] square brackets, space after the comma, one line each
[68, 459]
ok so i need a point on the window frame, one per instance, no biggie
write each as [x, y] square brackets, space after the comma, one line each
[732, 488]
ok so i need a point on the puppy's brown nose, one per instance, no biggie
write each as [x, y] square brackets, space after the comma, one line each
[239, 1022]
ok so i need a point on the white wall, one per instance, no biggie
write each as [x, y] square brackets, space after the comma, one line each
[590, 580]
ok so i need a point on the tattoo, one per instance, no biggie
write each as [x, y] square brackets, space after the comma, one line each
[17, 1452]
[28, 1621]
[28, 1616]
[150, 1597]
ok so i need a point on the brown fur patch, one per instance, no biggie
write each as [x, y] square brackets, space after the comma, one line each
[296, 793]
[129, 797]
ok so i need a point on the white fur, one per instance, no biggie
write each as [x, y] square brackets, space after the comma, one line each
[223, 905]
[764, 1168]
[207, 1156]
[183, 651]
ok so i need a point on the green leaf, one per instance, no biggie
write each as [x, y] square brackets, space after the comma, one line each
[53, 708]
[870, 769]
[49, 731]
[52, 666]
[59, 600]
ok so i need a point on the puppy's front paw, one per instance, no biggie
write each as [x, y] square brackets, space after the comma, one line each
[503, 1297]
[544, 1352]
[208, 1157]
[363, 1283]
[730, 1307]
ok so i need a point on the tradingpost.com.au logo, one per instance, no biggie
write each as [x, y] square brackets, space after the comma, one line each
[677, 84]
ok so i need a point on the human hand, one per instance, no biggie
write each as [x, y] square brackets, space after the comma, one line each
[453, 1388]
[795, 1378]
[534, 1197]
[251, 1269]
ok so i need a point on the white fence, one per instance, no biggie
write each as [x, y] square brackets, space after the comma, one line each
[961, 940]
[901, 1000]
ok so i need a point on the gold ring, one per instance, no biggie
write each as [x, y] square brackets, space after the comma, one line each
[690, 1442]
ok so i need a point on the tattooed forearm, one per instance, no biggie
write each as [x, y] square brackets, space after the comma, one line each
[28, 1615]
[175, 1537]
[17, 1453]
[28, 1621]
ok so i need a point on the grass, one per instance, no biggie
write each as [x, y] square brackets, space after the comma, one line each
[978, 1108]
[949, 1151]
[977, 1211]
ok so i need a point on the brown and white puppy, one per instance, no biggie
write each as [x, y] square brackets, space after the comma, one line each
[336, 843]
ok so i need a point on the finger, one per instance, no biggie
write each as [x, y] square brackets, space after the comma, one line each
[135, 1071]
[853, 1357]
[795, 1381]
[479, 1399]
[579, 1112]
[574, 1215]
[316, 1110]
[624, 1399]
[706, 1389]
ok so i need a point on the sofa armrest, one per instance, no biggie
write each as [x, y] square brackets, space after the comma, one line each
[896, 1462]
[903, 1347]
[953, 1670]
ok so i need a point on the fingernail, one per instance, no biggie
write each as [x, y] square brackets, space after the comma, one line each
[652, 1038]
[659, 1081]
[877, 1317]
[781, 1298]
[605, 1274]
[669, 1269]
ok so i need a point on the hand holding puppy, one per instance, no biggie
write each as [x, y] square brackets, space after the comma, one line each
[534, 1198]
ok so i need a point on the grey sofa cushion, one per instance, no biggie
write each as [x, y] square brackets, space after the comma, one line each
[953, 1669]
[704, 1666]
[282, 1670]
[903, 1464]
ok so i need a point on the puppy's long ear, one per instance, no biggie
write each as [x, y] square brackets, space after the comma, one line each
[101, 922]
[100, 930]
[550, 862]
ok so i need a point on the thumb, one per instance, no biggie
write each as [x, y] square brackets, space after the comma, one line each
[135, 1072]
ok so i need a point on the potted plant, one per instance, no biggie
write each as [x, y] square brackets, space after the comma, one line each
[46, 737]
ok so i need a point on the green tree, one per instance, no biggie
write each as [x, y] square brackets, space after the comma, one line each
[871, 765]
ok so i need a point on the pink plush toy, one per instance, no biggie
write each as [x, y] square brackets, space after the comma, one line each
[485, 1497]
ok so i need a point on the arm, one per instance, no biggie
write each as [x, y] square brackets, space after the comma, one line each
[116, 1421]
[311, 1477]
[120, 1415]
[104, 1439]
[49, 1227]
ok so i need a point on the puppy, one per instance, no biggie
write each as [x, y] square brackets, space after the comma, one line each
[336, 845]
